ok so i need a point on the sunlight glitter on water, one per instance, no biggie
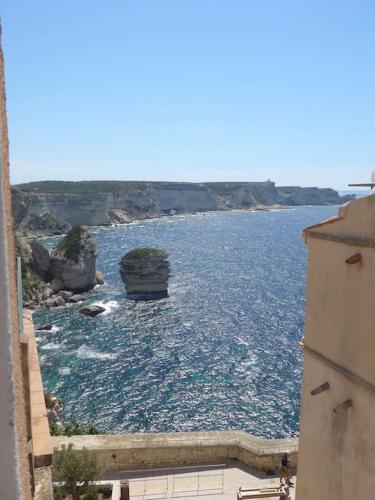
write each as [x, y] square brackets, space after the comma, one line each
[221, 352]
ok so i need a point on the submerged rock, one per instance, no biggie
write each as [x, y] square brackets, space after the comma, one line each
[145, 273]
[74, 260]
[92, 310]
[44, 327]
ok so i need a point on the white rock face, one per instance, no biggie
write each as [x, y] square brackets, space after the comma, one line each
[74, 261]
[49, 213]
[83, 209]
[145, 273]
[185, 197]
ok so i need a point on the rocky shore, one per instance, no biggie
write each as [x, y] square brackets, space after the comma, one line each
[62, 276]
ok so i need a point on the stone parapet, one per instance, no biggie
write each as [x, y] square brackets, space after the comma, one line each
[142, 451]
[40, 435]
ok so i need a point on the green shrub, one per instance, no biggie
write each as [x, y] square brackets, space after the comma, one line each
[80, 187]
[72, 429]
[71, 244]
[59, 493]
[91, 494]
[31, 286]
[144, 252]
[76, 470]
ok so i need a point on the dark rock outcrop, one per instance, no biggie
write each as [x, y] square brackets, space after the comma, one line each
[65, 294]
[75, 298]
[56, 301]
[44, 327]
[40, 259]
[92, 310]
[145, 273]
[45, 224]
[33, 286]
[73, 261]
[57, 285]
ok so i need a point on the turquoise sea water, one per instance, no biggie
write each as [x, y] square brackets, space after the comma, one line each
[220, 353]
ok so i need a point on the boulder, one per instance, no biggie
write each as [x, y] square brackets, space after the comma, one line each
[59, 301]
[73, 261]
[92, 310]
[57, 285]
[50, 302]
[47, 292]
[75, 298]
[145, 273]
[65, 294]
[40, 262]
[55, 302]
[99, 278]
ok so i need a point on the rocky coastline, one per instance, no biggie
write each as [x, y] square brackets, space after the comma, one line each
[53, 207]
[62, 276]
[58, 207]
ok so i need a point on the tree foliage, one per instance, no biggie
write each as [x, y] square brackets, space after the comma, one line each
[76, 470]
[71, 244]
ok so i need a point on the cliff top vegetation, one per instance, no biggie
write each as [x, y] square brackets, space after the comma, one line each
[84, 187]
[144, 252]
[71, 244]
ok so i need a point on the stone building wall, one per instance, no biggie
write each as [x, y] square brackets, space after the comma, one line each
[14, 465]
[337, 436]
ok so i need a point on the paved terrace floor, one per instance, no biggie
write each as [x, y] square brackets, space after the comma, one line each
[203, 482]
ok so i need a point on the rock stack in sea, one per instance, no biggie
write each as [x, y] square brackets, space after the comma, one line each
[55, 279]
[73, 261]
[145, 273]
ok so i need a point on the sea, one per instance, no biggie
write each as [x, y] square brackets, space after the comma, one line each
[220, 353]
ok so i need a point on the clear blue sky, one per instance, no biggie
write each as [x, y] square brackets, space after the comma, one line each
[191, 90]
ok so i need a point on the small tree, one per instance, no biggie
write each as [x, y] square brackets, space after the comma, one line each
[76, 470]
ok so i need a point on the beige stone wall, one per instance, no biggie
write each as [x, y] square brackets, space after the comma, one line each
[14, 467]
[39, 427]
[143, 451]
[337, 450]
[43, 484]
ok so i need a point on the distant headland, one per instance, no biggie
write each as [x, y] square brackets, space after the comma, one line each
[53, 207]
